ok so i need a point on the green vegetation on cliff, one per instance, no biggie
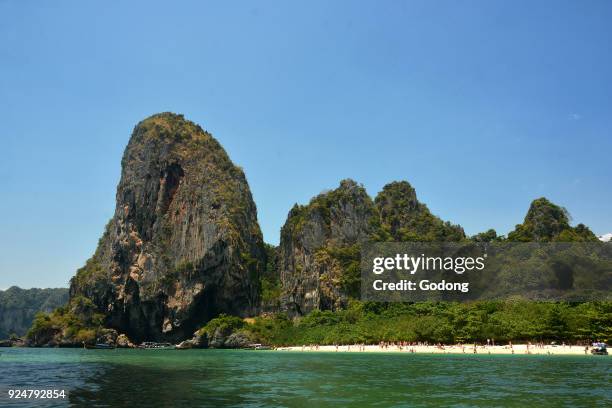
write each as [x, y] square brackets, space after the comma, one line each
[342, 265]
[222, 323]
[269, 280]
[328, 209]
[404, 218]
[548, 222]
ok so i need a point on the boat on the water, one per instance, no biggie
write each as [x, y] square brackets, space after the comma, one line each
[599, 349]
[150, 345]
[99, 346]
[258, 346]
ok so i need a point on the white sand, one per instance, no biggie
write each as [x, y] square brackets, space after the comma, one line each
[520, 349]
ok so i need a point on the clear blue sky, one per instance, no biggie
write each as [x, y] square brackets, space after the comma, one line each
[481, 105]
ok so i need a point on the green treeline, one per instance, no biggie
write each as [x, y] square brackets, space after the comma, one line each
[514, 319]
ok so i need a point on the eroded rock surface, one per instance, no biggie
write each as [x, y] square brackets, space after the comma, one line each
[183, 245]
[320, 245]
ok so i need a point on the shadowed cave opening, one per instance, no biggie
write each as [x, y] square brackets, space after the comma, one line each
[171, 180]
[201, 311]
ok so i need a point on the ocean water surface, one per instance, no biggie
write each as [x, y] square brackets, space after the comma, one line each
[219, 378]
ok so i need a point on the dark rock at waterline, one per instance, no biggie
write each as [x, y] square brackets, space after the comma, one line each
[240, 339]
[199, 340]
[123, 341]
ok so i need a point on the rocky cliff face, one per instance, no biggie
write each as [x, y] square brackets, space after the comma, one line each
[319, 253]
[184, 244]
[319, 248]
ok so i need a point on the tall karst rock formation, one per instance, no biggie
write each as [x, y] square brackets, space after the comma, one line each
[184, 244]
[319, 248]
[319, 252]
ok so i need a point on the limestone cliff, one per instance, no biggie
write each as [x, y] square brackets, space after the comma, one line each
[320, 243]
[319, 248]
[183, 245]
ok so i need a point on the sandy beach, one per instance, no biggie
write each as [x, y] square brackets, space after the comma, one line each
[517, 349]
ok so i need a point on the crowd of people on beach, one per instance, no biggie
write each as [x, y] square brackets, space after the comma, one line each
[472, 348]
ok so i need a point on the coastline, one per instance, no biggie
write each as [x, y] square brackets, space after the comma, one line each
[516, 349]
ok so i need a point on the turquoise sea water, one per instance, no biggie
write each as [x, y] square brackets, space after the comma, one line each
[190, 378]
